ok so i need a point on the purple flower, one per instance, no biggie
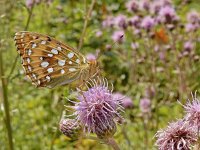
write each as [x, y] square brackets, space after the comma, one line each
[121, 22]
[69, 128]
[145, 105]
[188, 46]
[91, 57]
[132, 5]
[147, 23]
[135, 45]
[126, 101]
[193, 17]
[118, 36]
[144, 5]
[97, 108]
[29, 3]
[134, 21]
[167, 14]
[190, 27]
[108, 22]
[177, 136]
[99, 33]
[192, 110]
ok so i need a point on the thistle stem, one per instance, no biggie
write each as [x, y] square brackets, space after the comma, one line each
[111, 142]
[87, 17]
[5, 102]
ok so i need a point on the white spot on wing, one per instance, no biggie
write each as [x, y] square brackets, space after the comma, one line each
[43, 42]
[34, 76]
[48, 78]
[50, 55]
[29, 68]
[34, 45]
[70, 62]
[70, 55]
[62, 71]
[29, 52]
[28, 60]
[41, 58]
[59, 48]
[61, 62]
[54, 51]
[50, 70]
[78, 61]
[72, 69]
[44, 64]
[38, 82]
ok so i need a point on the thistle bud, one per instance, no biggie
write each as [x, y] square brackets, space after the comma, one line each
[69, 128]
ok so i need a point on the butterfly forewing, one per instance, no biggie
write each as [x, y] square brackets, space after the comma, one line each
[48, 62]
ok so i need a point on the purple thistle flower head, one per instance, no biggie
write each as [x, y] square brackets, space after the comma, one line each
[99, 33]
[188, 46]
[118, 36]
[192, 109]
[168, 14]
[144, 5]
[177, 136]
[145, 105]
[135, 21]
[148, 22]
[69, 128]
[190, 27]
[91, 57]
[30, 3]
[126, 102]
[97, 108]
[193, 17]
[121, 22]
[132, 5]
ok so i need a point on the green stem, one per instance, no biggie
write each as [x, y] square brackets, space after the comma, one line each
[5, 102]
[111, 142]
[87, 17]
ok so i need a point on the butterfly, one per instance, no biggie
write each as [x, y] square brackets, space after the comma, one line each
[50, 63]
[161, 36]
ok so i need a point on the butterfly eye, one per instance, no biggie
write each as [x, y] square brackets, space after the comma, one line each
[48, 62]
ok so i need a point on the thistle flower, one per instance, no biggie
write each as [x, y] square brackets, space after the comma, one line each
[135, 21]
[132, 5]
[193, 17]
[121, 22]
[144, 5]
[192, 110]
[108, 22]
[125, 101]
[91, 57]
[69, 128]
[30, 3]
[135, 45]
[118, 36]
[167, 14]
[189, 27]
[98, 33]
[147, 23]
[188, 46]
[177, 136]
[97, 109]
[145, 105]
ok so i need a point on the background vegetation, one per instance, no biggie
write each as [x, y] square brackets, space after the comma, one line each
[137, 73]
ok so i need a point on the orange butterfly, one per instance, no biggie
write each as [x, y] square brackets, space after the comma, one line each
[161, 36]
[49, 63]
